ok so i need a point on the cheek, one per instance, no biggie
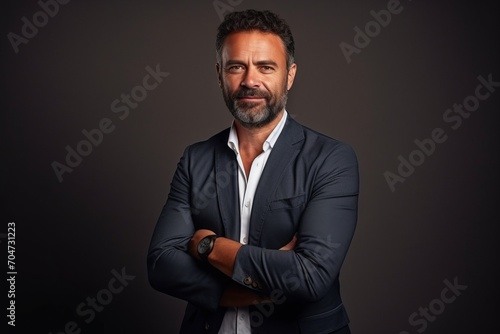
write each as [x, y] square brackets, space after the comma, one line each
[231, 84]
[232, 79]
[279, 87]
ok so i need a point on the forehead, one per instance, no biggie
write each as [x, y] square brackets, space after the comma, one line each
[255, 44]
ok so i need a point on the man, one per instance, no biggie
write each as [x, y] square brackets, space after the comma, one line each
[260, 216]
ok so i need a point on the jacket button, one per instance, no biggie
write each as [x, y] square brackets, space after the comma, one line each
[207, 326]
[254, 284]
[247, 281]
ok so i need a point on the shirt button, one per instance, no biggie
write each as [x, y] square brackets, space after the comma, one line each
[245, 240]
[247, 204]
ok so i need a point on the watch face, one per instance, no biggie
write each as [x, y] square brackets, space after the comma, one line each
[204, 245]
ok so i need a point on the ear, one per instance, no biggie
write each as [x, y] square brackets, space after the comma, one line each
[291, 76]
[218, 73]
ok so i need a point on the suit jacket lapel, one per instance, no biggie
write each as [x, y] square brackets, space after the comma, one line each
[226, 176]
[284, 151]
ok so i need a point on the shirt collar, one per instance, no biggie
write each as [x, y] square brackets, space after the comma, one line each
[233, 142]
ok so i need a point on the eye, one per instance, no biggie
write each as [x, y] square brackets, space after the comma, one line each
[267, 69]
[234, 68]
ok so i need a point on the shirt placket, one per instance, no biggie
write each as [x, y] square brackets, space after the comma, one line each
[242, 314]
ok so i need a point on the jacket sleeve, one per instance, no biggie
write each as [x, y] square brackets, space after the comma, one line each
[324, 234]
[170, 268]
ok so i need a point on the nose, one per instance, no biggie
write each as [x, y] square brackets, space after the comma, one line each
[251, 78]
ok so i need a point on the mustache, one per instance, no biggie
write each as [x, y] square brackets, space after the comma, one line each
[243, 92]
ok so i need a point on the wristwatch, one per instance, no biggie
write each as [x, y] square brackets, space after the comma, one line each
[205, 246]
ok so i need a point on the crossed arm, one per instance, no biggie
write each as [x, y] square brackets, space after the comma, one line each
[303, 270]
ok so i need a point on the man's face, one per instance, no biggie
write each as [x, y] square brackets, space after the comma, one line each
[254, 77]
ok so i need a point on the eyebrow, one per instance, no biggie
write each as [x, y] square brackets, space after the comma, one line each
[266, 62]
[260, 62]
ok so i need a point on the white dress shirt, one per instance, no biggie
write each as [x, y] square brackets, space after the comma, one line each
[237, 320]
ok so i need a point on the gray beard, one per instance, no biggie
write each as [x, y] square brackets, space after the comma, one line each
[252, 119]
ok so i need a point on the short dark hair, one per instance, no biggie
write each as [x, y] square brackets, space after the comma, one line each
[251, 19]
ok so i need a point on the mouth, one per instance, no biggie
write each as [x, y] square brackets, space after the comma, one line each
[250, 98]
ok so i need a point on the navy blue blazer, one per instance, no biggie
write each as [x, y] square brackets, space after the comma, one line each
[309, 186]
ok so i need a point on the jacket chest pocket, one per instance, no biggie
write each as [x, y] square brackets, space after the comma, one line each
[288, 203]
[282, 220]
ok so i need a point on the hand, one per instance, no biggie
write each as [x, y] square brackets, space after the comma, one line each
[291, 244]
[195, 239]
[238, 296]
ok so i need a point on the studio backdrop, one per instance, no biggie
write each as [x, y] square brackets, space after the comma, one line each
[100, 98]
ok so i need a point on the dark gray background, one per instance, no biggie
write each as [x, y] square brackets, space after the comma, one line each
[441, 223]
